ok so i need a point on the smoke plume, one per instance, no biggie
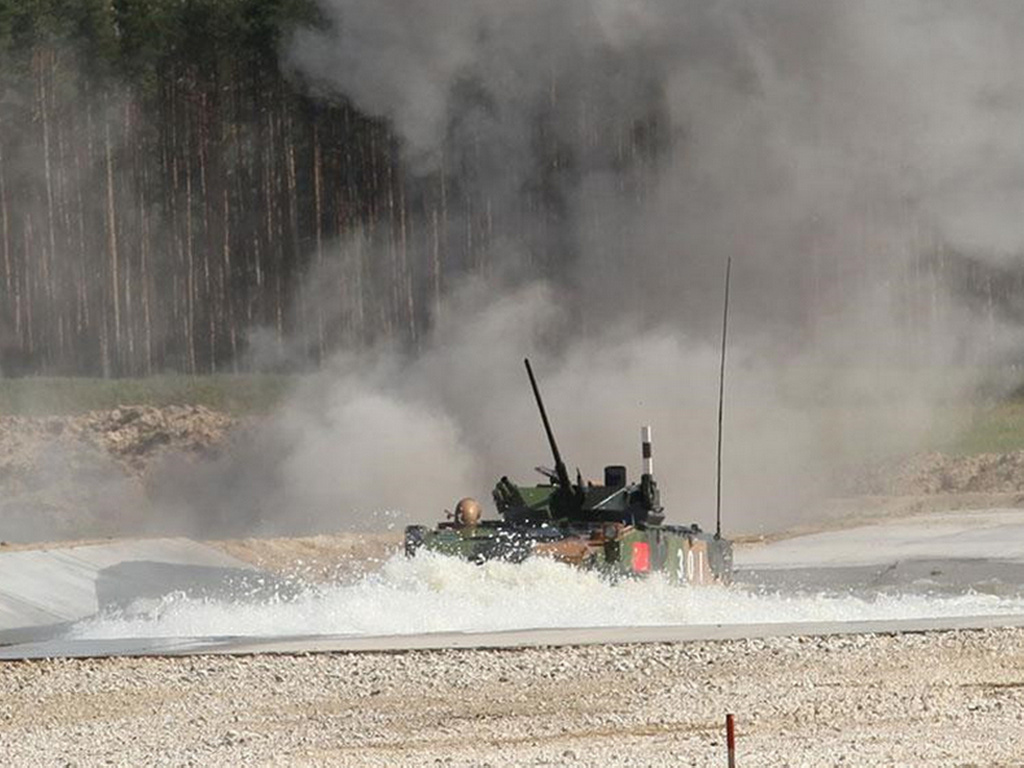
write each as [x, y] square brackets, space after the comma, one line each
[847, 156]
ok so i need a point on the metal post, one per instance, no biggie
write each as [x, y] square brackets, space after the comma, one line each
[645, 446]
[730, 739]
[721, 402]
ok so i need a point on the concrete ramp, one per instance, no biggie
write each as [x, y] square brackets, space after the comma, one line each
[995, 534]
[950, 554]
[42, 590]
[944, 553]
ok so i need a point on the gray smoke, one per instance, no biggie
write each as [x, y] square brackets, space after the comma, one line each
[824, 145]
[838, 151]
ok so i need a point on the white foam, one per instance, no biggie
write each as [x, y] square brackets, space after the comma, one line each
[432, 593]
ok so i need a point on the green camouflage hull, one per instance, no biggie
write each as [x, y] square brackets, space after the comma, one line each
[613, 526]
[684, 555]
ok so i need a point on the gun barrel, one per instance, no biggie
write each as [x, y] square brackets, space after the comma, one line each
[560, 470]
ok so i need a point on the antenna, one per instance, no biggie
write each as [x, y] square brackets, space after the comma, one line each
[721, 401]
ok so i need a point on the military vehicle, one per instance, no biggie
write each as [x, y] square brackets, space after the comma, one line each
[616, 527]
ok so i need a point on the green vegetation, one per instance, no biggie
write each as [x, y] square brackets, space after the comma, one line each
[172, 188]
[165, 184]
[993, 429]
[238, 395]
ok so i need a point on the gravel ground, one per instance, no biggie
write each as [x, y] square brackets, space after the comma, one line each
[954, 698]
[950, 698]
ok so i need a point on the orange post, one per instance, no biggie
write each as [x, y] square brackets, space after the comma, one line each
[730, 739]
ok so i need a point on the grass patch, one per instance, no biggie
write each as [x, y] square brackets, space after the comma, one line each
[238, 395]
[994, 429]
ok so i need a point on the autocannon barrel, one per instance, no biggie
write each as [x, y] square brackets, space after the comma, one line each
[560, 471]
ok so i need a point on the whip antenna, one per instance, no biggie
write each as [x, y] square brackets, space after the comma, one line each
[721, 401]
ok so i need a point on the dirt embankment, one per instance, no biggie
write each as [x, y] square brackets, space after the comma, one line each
[921, 484]
[132, 437]
[72, 476]
[937, 473]
[104, 474]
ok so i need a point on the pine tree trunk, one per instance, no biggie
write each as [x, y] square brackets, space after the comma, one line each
[406, 265]
[190, 275]
[112, 253]
[318, 214]
[204, 189]
[436, 263]
[5, 233]
[292, 259]
[144, 275]
[129, 279]
[46, 293]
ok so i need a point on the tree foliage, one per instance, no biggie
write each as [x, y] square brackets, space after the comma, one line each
[171, 199]
[157, 181]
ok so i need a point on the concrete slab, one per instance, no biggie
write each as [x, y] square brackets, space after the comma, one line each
[996, 535]
[190, 646]
[965, 551]
[945, 553]
[42, 590]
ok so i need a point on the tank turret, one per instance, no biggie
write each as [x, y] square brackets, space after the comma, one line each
[561, 499]
[614, 526]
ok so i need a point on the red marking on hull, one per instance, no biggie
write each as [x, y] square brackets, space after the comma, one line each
[641, 556]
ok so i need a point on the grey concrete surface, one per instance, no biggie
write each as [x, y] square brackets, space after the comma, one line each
[996, 534]
[42, 590]
[62, 648]
[941, 553]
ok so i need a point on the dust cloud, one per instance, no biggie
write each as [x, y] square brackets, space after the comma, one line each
[844, 154]
[850, 157]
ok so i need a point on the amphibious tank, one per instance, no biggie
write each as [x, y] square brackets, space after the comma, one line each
[616, 527]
